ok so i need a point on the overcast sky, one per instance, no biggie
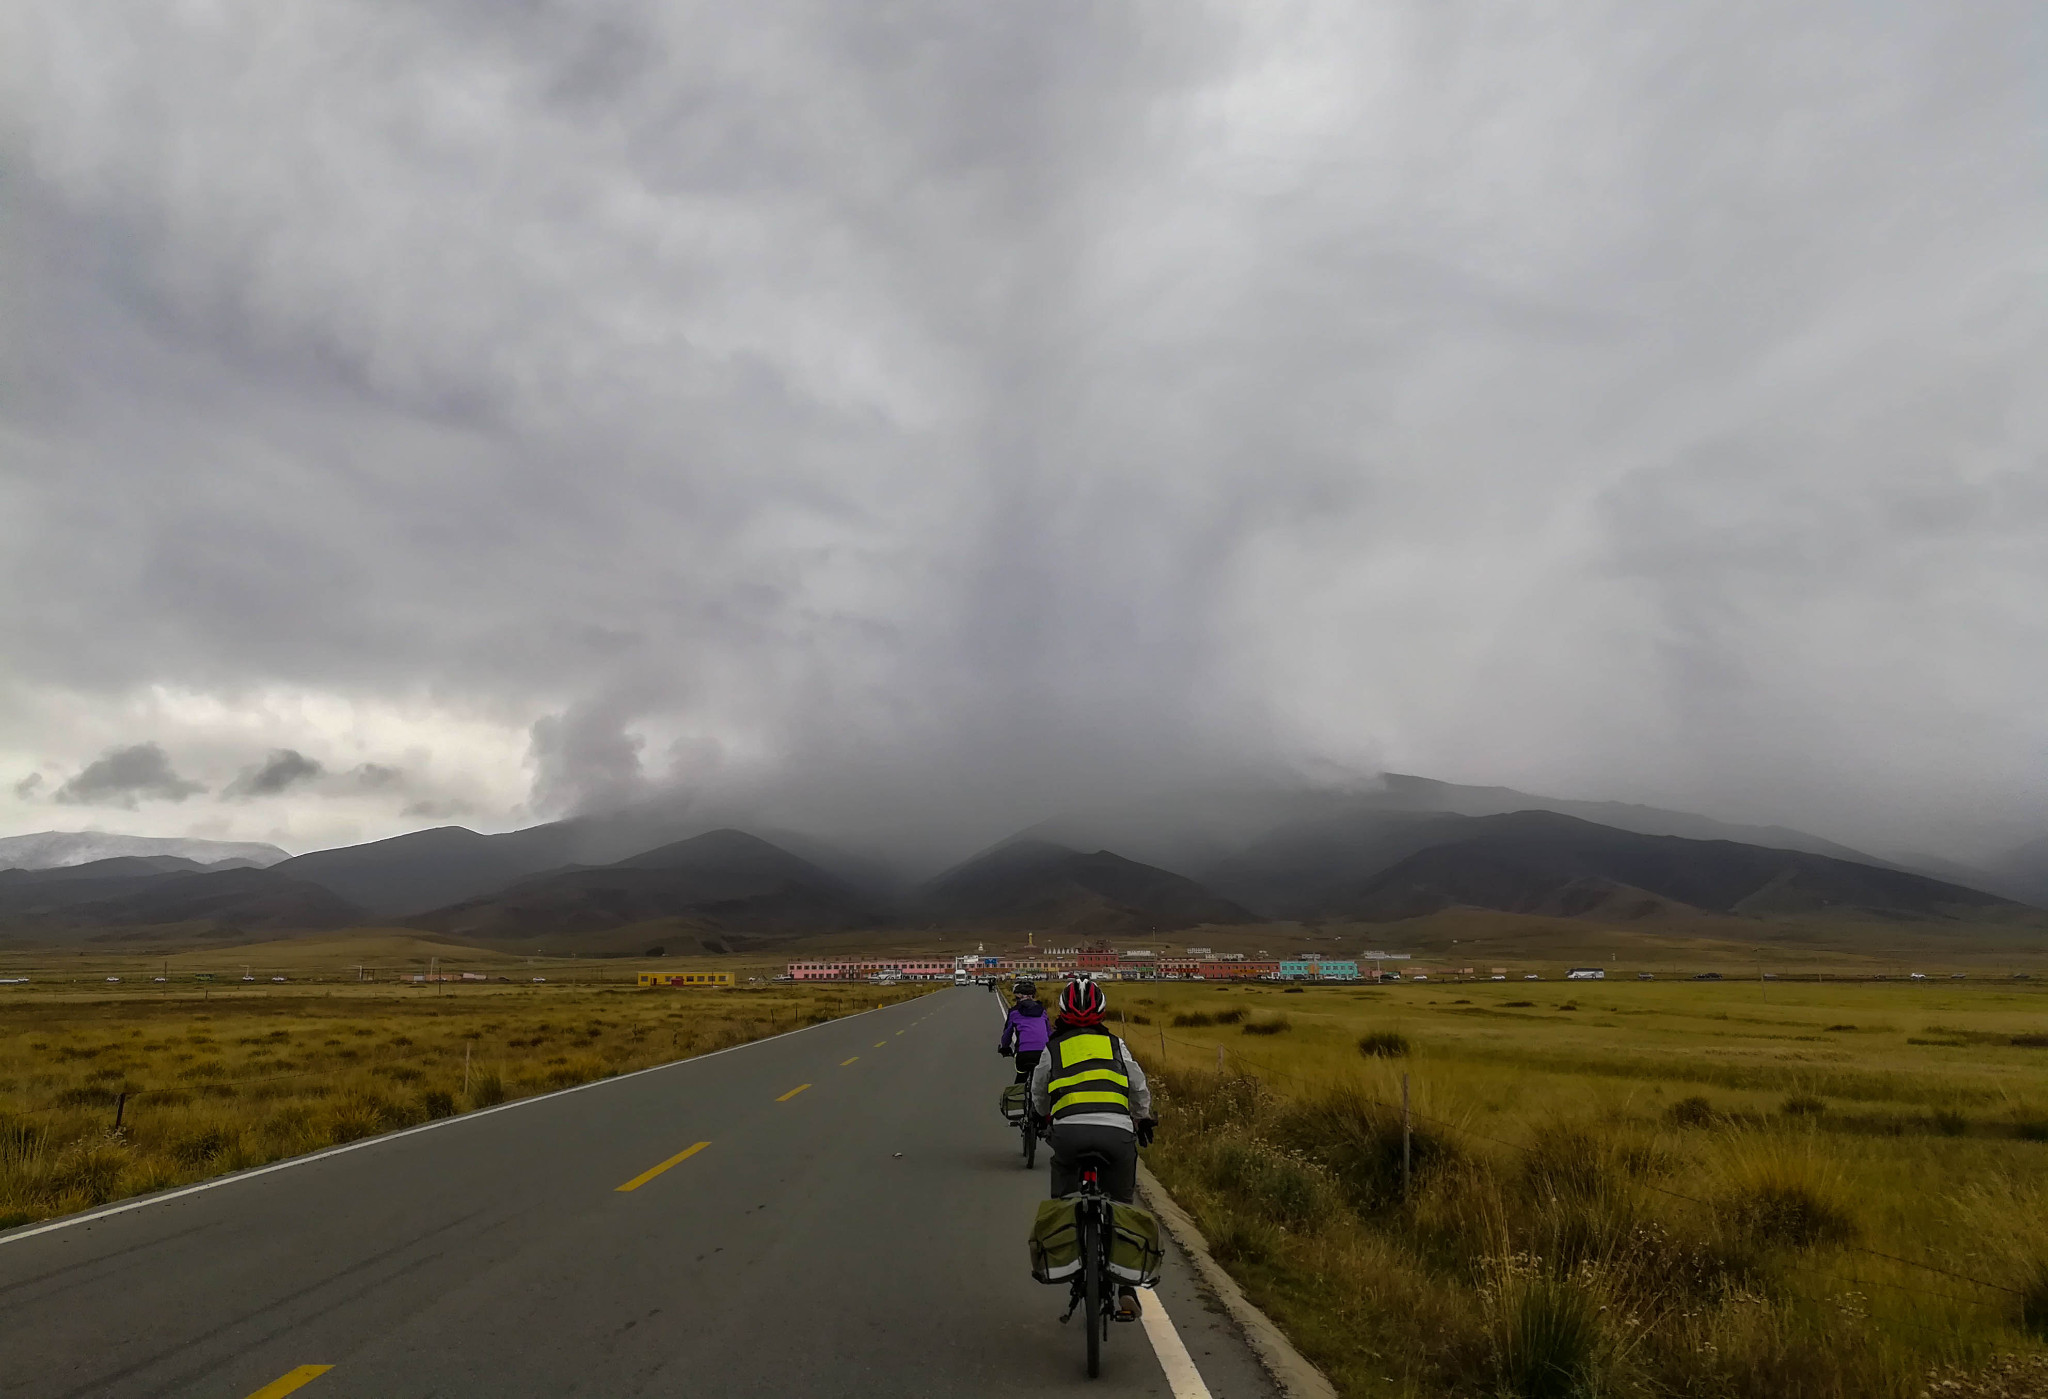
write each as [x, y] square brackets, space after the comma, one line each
[907, 421]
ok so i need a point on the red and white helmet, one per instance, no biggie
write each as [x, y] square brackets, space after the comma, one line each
[1083, 1001]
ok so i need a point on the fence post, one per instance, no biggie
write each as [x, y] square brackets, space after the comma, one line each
[1162, 1041]
[120, 1107]
[465, 1069]
[1219, 1058]
[1407, 1154]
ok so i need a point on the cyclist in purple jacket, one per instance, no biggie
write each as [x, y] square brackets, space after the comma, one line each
[1026, 1031]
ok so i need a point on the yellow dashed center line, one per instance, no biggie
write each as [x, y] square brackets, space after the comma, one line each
[880, 1043]
[844, 1062]
[685, 1154]
[285, 1384]
[792, 1092]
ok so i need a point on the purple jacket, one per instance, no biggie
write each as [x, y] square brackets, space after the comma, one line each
[1025, 1030]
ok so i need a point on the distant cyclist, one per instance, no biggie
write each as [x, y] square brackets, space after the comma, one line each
[1026, 1031]
[1095, 1096]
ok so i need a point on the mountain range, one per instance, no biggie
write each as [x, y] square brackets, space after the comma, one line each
[56, 849]
[628, 881]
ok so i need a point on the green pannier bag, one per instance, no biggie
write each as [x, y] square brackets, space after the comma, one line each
[1016, 1097]
[1134, 1252]
[1055, 1242]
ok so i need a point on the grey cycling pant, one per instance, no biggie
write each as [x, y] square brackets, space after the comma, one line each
[1117, 1147]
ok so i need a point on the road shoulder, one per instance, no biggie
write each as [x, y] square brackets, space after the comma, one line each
[1290, 1369]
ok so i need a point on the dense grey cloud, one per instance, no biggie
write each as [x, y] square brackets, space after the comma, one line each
[125, 777]
[282, 770]
[903, 423]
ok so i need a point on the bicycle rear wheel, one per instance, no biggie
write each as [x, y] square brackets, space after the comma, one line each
[1091, 1288]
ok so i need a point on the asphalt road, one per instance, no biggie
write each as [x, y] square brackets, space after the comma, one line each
[854, 1224]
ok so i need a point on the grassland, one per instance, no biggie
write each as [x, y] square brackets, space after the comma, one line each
[1635, 1188]
[221, 1077]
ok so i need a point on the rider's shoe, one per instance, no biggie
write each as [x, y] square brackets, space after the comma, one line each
[1128, 1307]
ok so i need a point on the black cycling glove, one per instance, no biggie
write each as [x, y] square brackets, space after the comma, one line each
[1145, 1129]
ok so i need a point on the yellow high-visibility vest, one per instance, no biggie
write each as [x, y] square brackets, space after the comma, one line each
[1087, 1075]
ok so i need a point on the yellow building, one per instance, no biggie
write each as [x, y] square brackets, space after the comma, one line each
[686, 978]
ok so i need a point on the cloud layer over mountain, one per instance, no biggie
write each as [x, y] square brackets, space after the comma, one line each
[906, 423]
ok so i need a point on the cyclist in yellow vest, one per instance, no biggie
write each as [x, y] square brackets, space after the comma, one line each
[1094, 1097]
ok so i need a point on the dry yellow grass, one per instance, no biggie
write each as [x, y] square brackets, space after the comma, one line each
[225, 1078]
[1623, 1188]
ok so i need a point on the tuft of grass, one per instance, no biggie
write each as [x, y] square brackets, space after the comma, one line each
[1691, 1111]
[1783, 1194]
[2033, 1302]
[1383, 1044]
[1273, 1025]
[1802, 1105]
[1201, 1019]
[1547, 1339]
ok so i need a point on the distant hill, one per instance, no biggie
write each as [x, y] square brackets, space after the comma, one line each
[720, 883]
[431, 869]
[119, 867]
[1312, 868]
[1202, 832]
[426, 871]
[219, 902]
[56, 849]
[1546, 863]
[2024, 870]
[1037, 884]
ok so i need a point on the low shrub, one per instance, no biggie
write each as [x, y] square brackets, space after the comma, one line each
[1276, 1025]
[201, 1147]
[1383, 1044]
[1281, 1187]
[1357, 1140]
[1781, 1195]
[1693, 1111]
[1240, 1238]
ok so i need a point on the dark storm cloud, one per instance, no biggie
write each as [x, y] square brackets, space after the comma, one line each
[282, 770]
[900, 423]
[377, 777]
[126, 776]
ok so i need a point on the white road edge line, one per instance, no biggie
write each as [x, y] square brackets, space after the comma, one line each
[165, 1197]
[1181, 1373]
